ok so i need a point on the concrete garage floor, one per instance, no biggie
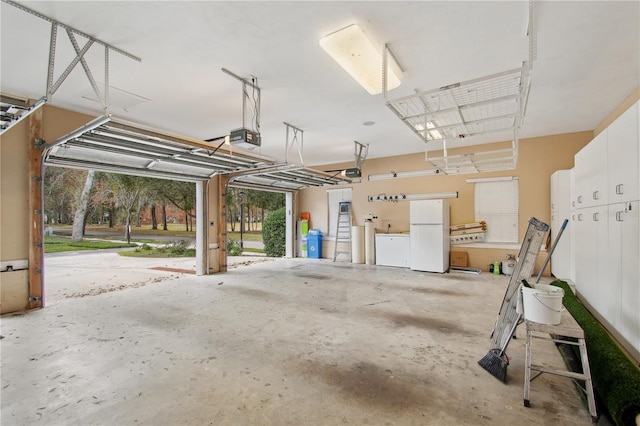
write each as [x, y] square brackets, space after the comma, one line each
[283, 342]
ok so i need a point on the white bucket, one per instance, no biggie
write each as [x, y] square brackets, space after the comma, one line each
[543, 304]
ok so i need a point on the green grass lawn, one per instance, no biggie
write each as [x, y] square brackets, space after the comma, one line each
[246, 236]
[55, 244]
[175, 229]
[60, 244]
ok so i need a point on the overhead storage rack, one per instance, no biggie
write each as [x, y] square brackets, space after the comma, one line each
[471, 108]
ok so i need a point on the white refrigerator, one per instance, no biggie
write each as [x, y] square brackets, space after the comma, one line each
[429, 234]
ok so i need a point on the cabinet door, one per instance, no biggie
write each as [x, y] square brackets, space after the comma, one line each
[591, 172]
[629, 321]
[586, 271]
[622, 157]
[605, 294]
[591, 180]
[614, 263]
[597, 194]
[572, 230]
[580, 176]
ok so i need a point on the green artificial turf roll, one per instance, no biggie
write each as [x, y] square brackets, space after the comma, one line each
[614, 376]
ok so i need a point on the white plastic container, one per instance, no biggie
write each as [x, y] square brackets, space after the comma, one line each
[508, 265]
[543, 304]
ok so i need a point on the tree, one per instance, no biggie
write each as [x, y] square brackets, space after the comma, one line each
[267, 201]
[62, 187]
[233, 207]
[126, 191]
[154, 217]
[79, 218]
[180, 194]
[254, 200]
[143, 199]
[103, 198]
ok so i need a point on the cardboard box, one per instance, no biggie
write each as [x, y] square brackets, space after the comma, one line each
[459, 258]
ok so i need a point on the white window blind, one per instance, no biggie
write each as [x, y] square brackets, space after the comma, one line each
[334, 196]
[496, 203]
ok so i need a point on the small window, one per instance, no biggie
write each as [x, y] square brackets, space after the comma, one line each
[334, 196]
[496, 203]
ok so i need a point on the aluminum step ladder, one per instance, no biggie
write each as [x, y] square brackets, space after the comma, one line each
[508, 316]
[343, 231]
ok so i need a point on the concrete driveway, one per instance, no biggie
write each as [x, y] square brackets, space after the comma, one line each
[89, 273]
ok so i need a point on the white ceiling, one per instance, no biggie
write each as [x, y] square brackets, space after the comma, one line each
[588, 61]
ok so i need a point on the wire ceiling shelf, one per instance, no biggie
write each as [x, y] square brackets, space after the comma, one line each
[471, 108]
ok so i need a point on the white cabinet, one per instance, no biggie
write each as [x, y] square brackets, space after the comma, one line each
[586, 254]
[605, 214]
[562, 257]
[393, 250]
[591, 173]
[622, 153]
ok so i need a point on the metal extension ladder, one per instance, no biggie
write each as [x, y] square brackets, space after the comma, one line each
[343, 231]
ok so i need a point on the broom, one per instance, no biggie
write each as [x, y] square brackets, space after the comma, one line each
[496, 361]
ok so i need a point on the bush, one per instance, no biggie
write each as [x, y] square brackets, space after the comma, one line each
[180, 248]
[274, 233]
[233, 248]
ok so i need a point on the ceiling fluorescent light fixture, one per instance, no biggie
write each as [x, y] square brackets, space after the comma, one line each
[354, 52]
[435, 133]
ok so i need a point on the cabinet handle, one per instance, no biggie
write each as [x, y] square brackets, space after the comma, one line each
[580, 217]
[573, 204]
[579, 198]
[619, 216]
[596, 195]
[595, 217]
[619, 189]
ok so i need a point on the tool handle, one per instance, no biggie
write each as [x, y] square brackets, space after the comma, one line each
[553, 247]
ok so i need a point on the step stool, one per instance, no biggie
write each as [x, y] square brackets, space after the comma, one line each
[560, 333]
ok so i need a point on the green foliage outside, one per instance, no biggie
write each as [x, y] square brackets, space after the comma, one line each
[253, 205]
[274, 233]
[615, 377]
[176, 249]
[60, 244]
[233, 248]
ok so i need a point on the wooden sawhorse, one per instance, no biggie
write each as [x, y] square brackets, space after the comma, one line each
[561, 333]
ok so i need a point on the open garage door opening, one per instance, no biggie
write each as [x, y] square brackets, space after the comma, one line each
[100, 213]
[54, 137]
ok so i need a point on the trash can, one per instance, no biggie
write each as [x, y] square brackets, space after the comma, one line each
[314, 244]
